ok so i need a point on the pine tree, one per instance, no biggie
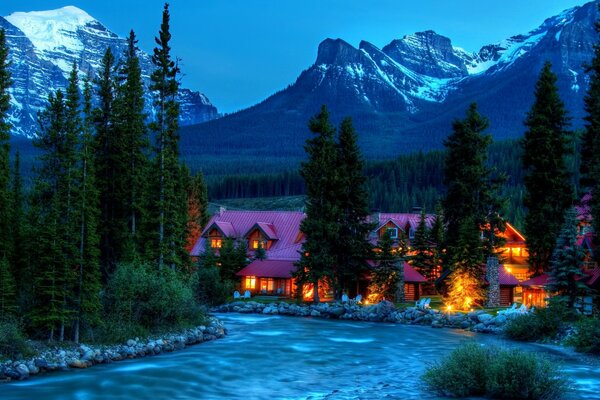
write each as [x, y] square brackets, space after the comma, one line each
[110, 168]
[197, 201]
[171, 210]
[48, 215]
[8, 291]
[352, 247]
[320, 226]
[567, 262]
[386, 276]
[130, 122]
[547, 181]
[88, 304]
[232, 258]
[467, 257]
[5, 82]
[590, 146]
[423, 257]
[18, 246]
[437, 236]
[466, 175]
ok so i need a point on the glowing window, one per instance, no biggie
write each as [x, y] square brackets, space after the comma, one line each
[250, 282]
[258, 243]
[216, 243]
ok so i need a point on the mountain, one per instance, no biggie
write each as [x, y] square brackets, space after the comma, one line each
[404, 96]
[43, 47]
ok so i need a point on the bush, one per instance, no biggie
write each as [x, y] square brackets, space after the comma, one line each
[460, 374]
[139, 299]
[473, 370]
[211, 289]
[515, 374]
[12, 341]
[587, 336]
[544, 323]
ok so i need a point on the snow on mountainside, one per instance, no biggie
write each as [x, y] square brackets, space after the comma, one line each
[404, 96]
[43, 47]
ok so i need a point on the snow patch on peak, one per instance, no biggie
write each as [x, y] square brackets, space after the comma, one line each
[52, 29]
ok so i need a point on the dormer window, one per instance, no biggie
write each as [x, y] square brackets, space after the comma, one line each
[256, 244]
[216, 243]
[393, 232]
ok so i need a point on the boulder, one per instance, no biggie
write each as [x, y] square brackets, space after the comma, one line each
[22, 371]
[484, 318]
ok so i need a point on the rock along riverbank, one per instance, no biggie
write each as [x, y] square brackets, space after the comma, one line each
[385, 311]
[84, 356]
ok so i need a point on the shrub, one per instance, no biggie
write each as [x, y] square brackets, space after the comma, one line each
[12, 341]
[139, 298]
[543, 323]
[460, 374]
[211, 289]
[515, 374]
[587, 336]
[473, 370]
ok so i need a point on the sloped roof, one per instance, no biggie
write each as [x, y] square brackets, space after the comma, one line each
[541, 280]
[410, 274]
[403, 219]
[267, 228]
[269, 269]
[506, 278]
[284, 225]
[593, 277]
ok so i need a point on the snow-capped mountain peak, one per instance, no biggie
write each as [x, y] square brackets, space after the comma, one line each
[50, 30]
[44, 45]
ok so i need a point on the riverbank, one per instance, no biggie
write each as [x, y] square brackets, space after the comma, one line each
[385, 311]
[64, 356]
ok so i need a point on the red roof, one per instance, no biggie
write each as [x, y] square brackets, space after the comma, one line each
[269, 269]
[403, 220]
[283, 227]
[592, 277]
[505, 278]
[410, 274]
[541, 280]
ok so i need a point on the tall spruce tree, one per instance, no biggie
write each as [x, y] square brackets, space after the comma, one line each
[8, 291]
[88, 305]
[130, 122]
[466, 176]
[110, 165]
[547, 181]
[423, 258]
[48, 215]
[353, 247]
[567, 262]
[590, 146]
[18, 230]
[171, 208]
[321, 225]
[197, 209]
[5, 82]
[386, 275]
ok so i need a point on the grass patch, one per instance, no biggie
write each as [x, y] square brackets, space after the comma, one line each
[12, 341]
[543, 323]
[587, 336]
[473, 370]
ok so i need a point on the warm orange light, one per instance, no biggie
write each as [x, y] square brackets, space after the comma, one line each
[449, 307]
[529, 296]
[508, 269]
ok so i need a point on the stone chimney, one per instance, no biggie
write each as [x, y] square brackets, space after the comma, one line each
[492, 273]
[221, 210]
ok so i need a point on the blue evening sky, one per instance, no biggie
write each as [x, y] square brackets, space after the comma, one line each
[238, 52]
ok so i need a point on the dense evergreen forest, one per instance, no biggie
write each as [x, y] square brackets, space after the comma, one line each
[394, 185]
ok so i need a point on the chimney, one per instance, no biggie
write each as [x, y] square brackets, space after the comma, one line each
[221, 210]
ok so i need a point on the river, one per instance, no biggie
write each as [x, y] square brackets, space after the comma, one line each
[273, 357]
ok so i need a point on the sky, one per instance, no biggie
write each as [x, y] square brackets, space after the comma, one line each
[238, 52]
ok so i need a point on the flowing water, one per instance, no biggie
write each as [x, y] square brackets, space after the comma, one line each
[273, 357]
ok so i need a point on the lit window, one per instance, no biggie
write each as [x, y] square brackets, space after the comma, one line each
[216, 243]
[258, 243]
[250, 282]
[267, 285]
[393, 232]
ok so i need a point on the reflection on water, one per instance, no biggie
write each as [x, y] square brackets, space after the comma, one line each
[274, 357]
